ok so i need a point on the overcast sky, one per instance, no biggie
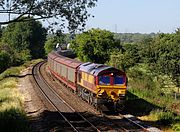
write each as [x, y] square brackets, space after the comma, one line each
[143, 16]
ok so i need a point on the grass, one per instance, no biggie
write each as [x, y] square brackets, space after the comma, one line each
[152, 112]
[153, 96]
[12, 114]
[15, 71]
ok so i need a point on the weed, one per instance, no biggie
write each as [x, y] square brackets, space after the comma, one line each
[12, 115]
[13, 120]
[176, 127]
[13, 71]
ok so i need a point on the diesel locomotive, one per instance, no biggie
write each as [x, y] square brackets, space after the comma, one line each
[100, 85]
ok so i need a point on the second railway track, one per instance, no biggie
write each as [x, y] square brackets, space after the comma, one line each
[72, 118]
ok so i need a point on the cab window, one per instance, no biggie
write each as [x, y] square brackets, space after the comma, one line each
[104, 80]
[118, 80]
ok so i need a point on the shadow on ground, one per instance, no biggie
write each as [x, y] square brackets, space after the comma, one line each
[15, 120]
[53, 121]
[138, 106]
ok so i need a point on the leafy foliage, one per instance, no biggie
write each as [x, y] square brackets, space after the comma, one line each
[12, 116]
[127, 57]
[6, 57]
[95, 45]
[51, 42]
[14, 120]
[4, 60]
[26, 38]
[0, 32]
[50, 45]
[166, 117]
[152, 64]
[160, 52]
[21, 42]
[74, 11]
[162, 55]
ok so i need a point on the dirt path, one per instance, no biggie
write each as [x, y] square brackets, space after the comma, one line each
[42, 116]
[39, 113]
[32, 104]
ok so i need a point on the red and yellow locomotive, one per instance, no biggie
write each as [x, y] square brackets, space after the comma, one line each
[100, 85]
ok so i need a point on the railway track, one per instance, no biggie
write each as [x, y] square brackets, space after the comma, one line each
[77, 122]
[129, 123]
[73, 120]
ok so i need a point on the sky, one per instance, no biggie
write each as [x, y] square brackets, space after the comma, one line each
[132, 16]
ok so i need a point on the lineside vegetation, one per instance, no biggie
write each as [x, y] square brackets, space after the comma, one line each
[12, 114]
[151, 63]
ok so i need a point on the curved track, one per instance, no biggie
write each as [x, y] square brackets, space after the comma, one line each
[75, 121]
[72, 118]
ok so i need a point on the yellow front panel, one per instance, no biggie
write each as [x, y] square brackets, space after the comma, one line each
[112, 92]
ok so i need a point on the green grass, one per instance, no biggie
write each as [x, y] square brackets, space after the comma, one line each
[152, 94]
[15, 71]
[176, 127]
[12, 115]
[13, 120]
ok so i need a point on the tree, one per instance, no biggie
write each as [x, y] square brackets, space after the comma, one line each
[51, 42]
[95, 45]
[162, 54]
[26, 38]
[74, 11]
[0, 32]
[5, 56]
[4, 60]
[125, 58]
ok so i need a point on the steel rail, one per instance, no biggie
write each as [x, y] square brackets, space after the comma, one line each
[38, 72]
[134, 122]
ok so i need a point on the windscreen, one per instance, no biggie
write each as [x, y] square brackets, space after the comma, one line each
[104, 80]
[118, 80]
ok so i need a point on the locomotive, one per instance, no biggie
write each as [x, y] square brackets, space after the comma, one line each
[100, 85]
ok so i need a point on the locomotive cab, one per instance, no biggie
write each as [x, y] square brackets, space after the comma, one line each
[102, 85]
[111, 87]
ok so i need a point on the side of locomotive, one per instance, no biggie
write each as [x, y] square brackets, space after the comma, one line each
[100, 85]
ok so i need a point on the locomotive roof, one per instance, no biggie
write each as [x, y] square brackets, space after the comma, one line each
[94, 68]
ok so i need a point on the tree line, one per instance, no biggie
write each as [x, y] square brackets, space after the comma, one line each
[160, 52]
[23, 38]
[23, 41]
[20, 42]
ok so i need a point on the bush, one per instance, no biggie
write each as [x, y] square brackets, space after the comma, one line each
[5, 60]
[13, 71]
[166, 118]
[176, 127]
[13, 120]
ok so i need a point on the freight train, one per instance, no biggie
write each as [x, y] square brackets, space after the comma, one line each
[100, 85]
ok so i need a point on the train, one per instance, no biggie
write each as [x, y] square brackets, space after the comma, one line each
[100, 85]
